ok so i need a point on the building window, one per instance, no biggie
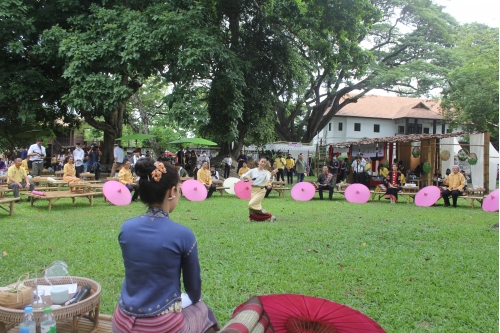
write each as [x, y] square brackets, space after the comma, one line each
[401, 129]
[329, 127]
[426, 130]
[340, 126]
[376, 128]
[411, 128]
[357, 127]
[419, 128]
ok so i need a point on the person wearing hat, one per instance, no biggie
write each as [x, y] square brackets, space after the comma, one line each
[36, 154]
[280, 164]
[78, 156]
[119, 156]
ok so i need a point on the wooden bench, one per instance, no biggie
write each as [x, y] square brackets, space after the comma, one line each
[409, 191]
[473, 195]
[5, 190]
[6, 202]
[280, 187]
[219, 183]
[56, 195]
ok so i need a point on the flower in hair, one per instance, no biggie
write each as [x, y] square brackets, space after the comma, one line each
[157, 173]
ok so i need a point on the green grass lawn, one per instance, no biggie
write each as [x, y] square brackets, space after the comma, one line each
[411, 269]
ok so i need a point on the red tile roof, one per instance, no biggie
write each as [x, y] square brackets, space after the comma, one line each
[392, 107]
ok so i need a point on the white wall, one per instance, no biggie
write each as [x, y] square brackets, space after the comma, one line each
[388, 127]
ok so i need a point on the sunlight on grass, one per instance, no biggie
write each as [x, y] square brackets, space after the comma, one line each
[411, 269]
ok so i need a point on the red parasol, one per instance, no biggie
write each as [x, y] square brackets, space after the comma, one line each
[304, 314]
[357, 193]
[230, 182]
[303, 191]
[243, 190]
[117, 193]
[490, 203]
[169, 153]
[427, 196]
[194, 190]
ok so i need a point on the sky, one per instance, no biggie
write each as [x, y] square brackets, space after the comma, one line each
[468, 11]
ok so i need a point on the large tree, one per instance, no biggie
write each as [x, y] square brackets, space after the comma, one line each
[470, 100]
[303, 61]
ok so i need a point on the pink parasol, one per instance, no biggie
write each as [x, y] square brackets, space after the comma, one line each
[117, 193]
[243, 190]
[490, 203]
[303, 191]
[230, 182]
[290, 313]
[357, 193]
[194, 190]
[427, 196]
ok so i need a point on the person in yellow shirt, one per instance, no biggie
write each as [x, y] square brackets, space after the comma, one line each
[243, 169]
[280, 165]
[18, 178]
[125, 177]
[383, 171]
[70, 173]
[205, 178]
[24, 164]
[289, 163]
[455, 183]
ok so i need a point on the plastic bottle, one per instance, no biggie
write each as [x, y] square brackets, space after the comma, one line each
[28, 325]
[48, 323]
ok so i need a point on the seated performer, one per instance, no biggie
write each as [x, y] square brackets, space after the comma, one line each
[125, 177]
[325, 181]
[244, 169]
[70, 172]
[205, 178]
[156, 252]
[455, 183]
[393, 184]
[18, 178]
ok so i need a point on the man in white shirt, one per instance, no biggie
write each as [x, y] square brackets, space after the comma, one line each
[78, 156]
[203, 158]
[358, 168]
[136, 155]
[227, 162]
[36, 154]
[119, 155]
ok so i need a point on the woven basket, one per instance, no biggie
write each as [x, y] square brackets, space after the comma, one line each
[463, 155]
[14, 316]
[473, 159]
[445, 155]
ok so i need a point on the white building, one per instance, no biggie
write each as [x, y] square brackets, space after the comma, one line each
[383, 116]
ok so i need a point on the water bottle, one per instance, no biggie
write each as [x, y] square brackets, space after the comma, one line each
[48, 324]
[28, 325]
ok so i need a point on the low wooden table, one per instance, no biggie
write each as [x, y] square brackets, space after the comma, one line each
[67, 317]
[56, 195]
[6, 202]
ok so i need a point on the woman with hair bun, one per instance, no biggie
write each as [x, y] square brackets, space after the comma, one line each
[155, 251]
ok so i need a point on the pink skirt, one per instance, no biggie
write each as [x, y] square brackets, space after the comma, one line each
[196, 318]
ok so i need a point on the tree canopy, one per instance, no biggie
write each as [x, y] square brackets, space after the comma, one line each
[242, 70]
[470, 100]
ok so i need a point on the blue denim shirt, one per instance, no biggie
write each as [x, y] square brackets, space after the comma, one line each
[155, 251]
